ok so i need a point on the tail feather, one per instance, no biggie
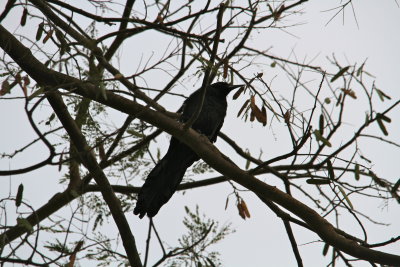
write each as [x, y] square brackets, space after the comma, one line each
[163, 180]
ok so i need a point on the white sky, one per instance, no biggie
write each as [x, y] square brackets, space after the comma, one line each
[261, 240]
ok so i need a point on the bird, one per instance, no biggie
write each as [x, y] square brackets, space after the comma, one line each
[163, 180]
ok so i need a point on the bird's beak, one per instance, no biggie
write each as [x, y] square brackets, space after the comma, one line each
[231, 87]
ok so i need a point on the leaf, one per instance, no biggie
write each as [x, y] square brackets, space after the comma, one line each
[226, 68]
[259, 115]
[5, 88]
[51, 118]
[273, 64]
[330, 170]
[21, 222]
[382, 126]
[321, 124]
[48, 36]
[25, 90]
[24, 16]
[226, 202]
[18, 78]
[357, 172]
[349, 92]
[39, 31]
[245, 209]
[319, 137]
[252, 116]
[340, 73]
[382, 95]
[384, 117]
[318, 181]
[325, 250]
[18, 199]
[264, 112]
[327, 100]
[241, 211]
[238, 92]
[26, 80]
[246, 103]
[286, 116]
[189, 44]
[158, 153]
[346, 197]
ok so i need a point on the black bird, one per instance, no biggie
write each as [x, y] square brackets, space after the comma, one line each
[163, 180]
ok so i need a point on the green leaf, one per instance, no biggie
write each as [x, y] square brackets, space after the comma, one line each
[357, 172]
[346, 197]
[321, 124]
[340, 73]
[382, 126]
[318, 181]
[18, 199]
[21, 222]
[382, 95]
[158, 153]
[321, 138]
[384, 117]
[273, 64]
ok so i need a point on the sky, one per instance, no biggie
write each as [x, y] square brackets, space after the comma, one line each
[261, 240]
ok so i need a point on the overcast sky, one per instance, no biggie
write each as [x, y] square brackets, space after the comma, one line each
[261, 240]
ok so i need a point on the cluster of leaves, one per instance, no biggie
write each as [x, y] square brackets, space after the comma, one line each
[202, 232]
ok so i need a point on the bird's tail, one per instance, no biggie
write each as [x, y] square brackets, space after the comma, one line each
[163, 180]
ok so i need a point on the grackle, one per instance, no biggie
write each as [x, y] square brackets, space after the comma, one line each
[165, 177]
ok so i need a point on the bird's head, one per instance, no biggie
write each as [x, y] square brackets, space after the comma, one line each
[223, 88]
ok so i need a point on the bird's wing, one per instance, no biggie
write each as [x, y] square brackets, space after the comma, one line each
[189, 106]
[214, 135]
